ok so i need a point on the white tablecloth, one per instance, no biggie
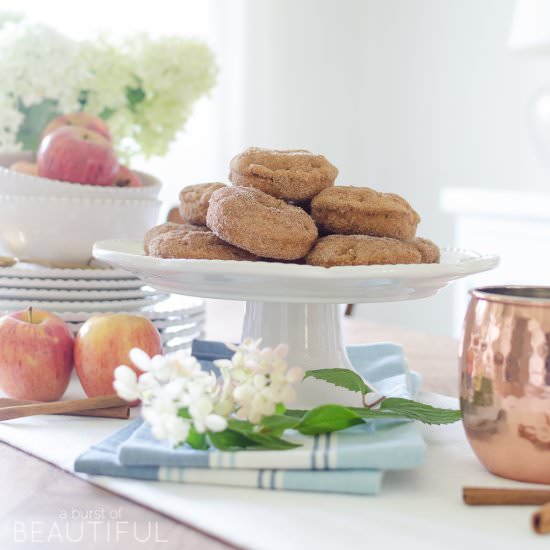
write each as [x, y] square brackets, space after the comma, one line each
[417, 509]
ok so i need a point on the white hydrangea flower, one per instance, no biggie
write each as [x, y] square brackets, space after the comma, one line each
[41, 63]
[261, 377]
[165, 425]
[169, 385]
[177, 395]
[145, 88]
[126, 383]
[11, 121]
[38, 64]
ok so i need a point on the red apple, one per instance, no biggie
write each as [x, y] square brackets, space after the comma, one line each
[24, 167]
[127, 178]
[77, 155]
[81, 119]
[104, 342]
[36, 355]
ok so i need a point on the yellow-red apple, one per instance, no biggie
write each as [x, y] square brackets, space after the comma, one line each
[82, 119]
[127, 178]
[25, 167]
[77, 155]
[36, 355]
[104, 342]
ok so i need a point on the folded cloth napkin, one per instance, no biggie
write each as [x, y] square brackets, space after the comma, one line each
[102, 459]
[351, 461]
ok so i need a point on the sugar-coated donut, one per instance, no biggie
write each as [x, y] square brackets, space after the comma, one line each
[165, 228]
[265, 226]
[198, 245]
[335, 250]
[292, 175]
[363, 211]
[194, 201]
[428, 249]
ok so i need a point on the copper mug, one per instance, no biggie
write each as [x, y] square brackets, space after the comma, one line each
[505, 380]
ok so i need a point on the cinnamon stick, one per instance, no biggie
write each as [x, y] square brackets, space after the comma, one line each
[541, 520]
[478, 496]
[122, 412]
[61, 407]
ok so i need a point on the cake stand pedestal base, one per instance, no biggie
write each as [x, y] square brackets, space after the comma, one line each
[314, 336]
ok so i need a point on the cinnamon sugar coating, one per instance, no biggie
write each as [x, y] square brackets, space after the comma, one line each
[428, 250]
[194, 201]
[337, 250]
[363, 211]
[165, 228]
[263, 225]
[291, 175]
[198, 245]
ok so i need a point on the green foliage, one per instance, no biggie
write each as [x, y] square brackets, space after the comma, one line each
[35, 119]
[242, 434]
[343, 378]
[328, 418]
[197, 440]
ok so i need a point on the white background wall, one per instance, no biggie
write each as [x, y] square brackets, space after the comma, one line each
[407, 96]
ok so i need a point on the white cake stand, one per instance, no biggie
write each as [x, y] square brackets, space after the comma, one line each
[296, 304]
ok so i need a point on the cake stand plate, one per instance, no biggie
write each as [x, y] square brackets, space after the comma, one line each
[297, 304]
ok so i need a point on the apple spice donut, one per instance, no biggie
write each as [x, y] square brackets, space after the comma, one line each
[194, 201]
[197, 245]
[335, 250]
[428, 250]
[292, 175]
[167, 227]
[363, 211]
[265, 226]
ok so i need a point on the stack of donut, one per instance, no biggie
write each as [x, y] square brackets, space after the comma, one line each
[278, 206]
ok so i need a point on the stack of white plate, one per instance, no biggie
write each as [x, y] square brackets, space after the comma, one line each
[77, 294]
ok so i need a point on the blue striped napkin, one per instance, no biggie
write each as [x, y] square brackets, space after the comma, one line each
[102, 460]
[351, 461]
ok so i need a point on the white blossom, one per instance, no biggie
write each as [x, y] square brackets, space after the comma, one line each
[177, 395]
[125, 383]
[261, 378]
[145, 88]
[169, 385]
[41, 63]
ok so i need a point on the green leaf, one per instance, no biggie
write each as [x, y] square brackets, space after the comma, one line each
[279, 422]
[344, 378]
[230, 440]
[197, 440]
[328, 418]
[183, 413]
[399, 408]
[420, 411]
[242, 426]
[296, 413]
[272, 442]
[134, 96]
[35, 119]
[265, 441]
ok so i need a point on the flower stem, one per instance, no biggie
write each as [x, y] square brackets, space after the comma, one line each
[377, 402]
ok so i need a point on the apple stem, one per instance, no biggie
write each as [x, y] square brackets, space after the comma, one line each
[29, 311]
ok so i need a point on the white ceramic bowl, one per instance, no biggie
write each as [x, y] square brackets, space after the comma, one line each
[64, 229]
[16, 183]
